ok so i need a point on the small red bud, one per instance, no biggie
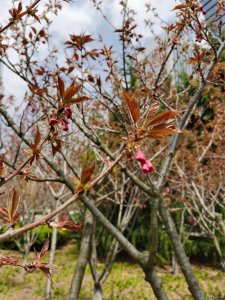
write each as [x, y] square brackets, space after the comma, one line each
[147, 167]
[68, 112]
[53, 122]
[191, 220]
[140, 156]
[65, 126]
[202, 10]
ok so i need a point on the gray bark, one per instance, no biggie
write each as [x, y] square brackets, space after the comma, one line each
[97, 292]
[180, 253]
[219, 252]
[51, 261]
[140, 258]
[174, 265]
[82, 257]
[24, 259]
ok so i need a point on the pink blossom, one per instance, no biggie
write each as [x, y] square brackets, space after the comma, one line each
[53, 122]
[203, 12]
[140, 157]
[68, 112]
[65, 126]
[147, 167]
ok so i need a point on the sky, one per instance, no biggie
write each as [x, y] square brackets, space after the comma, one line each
[80, 15]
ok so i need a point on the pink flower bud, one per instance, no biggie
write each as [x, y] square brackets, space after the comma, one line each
[140, 156]
[68, 112]
[65, 126]
[53, 122]
[147, 167]
[203, 12]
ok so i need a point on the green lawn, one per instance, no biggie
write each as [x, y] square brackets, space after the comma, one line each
[126, 281]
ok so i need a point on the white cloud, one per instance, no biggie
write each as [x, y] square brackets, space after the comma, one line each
[74, 18]
[163, 8]
[82, 16]
[13, 85]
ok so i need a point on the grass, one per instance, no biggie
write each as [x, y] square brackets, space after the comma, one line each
[125, 282]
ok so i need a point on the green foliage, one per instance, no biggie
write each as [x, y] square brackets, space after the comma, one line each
[164, 248]
[43, 233]
[200, 249]
[62, 237]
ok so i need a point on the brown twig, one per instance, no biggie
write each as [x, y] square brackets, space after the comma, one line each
[27, 11]
[44, 219]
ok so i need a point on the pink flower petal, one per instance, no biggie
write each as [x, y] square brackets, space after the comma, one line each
[147, 167]
[53, 122]
[140, 156]
[65, 126]
[68, 112]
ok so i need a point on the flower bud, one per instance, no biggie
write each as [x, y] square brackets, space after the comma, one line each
[68, 112]
[65, 126]
[203, 12]
[147, 167]
[140, 156]
[53, 122]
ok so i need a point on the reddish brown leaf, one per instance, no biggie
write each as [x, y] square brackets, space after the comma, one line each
[15, 201]
[8, 260]
[70, 92]
[161, 133]
[4, 215]
[70, 225]
[34, 29]
[163, 117]
[157, 137]
[133, 106]
[153, 110]
[56, 145]
[44, 248]
[1, 167]
[20, 7]
[37, 138]
[87, 171]
[36, 17]
[10, 214]
[180, 6]
[46, 269]
[61, 87]
[73, 226]
[79, 99]
[37, 264]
